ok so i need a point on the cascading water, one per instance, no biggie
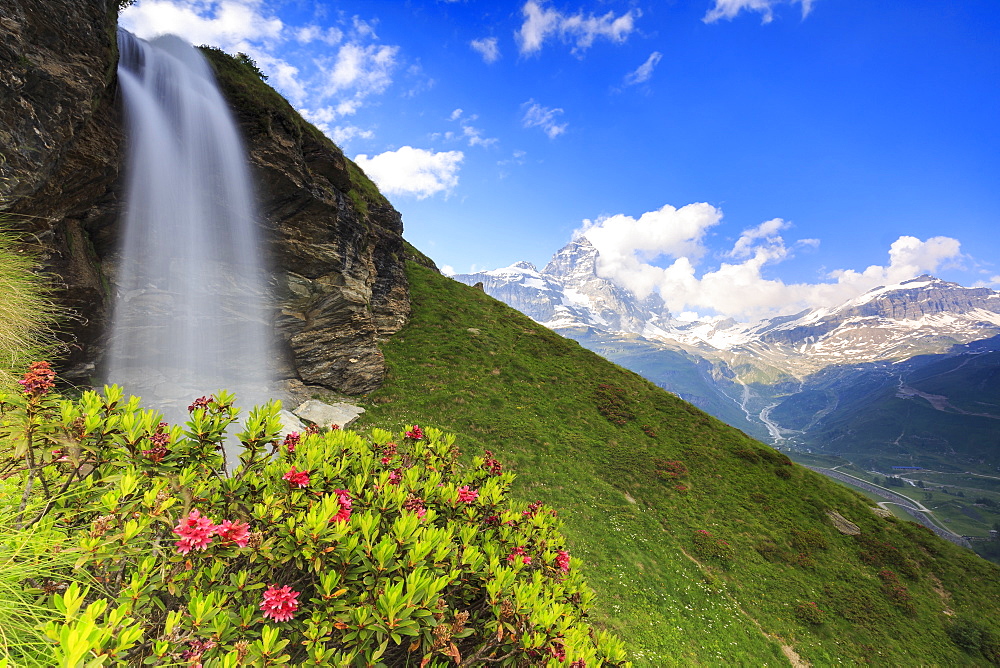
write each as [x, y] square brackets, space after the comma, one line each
[191, 308]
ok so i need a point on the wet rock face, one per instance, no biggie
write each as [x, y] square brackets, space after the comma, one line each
[60, 145]
[336, 246]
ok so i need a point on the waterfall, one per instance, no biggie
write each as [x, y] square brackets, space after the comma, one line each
[190, 312]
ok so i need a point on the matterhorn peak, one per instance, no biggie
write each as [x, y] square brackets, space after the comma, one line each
[577, 258]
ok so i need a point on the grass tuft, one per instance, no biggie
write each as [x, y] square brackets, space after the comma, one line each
[27, 312]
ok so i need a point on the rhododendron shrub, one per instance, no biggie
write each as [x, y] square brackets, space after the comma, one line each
[335, 550]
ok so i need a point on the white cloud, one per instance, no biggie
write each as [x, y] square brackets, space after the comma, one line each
[231, 24]
[476, 138]
[908, 257]
[540, 23]
[413, 171]
[644, 71]
[728, 9]
[627, 245]
[471, 133]
[749, 241]
[330, 78]
[537, 116]
[365, 69]
[487, 48]
[342, 134]
[661, 250]
[312, 33]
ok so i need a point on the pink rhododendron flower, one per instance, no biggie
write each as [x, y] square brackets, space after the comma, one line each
[492, 465]
[201, 402]
[466, 495]
[279, 603]
[291, 440]
[532, 509]
[415, 504]
[416, 433]
[160, 439]
[195, 531]
[238, 532]
[196, 649]
[562, 560]
[295, 478]
[38, 380]
[344, 499]
[395, 476]
[519, 551]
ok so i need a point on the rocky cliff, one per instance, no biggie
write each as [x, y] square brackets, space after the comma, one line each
[335, 243]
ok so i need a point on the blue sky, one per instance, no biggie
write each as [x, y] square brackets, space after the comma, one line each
[741, 157]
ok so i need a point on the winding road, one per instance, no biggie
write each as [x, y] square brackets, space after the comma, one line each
[914, 508]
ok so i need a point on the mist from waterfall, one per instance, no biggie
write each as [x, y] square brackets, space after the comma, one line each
[190, 315]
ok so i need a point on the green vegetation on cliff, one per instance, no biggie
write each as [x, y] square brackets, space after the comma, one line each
[703, 545]
[247, 91]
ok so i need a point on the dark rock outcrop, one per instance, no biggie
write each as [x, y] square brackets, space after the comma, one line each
[60, 146]
[337, 247]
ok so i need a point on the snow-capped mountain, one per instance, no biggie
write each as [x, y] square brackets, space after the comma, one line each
[801, 378]
[894, 322]
[568, 293]
[919, 316]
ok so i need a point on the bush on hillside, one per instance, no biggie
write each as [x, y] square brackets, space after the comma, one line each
[810, 613]
[323, 549]
[612, 402]
[975, 638]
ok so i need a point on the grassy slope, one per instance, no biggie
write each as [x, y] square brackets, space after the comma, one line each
[529, 395]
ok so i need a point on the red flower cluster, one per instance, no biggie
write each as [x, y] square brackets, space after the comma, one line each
[562, 560]
[201, 402]
[39, 379]
[279, 603]
[295, 478]
[492, 465]
[196, 532]
[466, 495]
[416, 433]
[238, 532]
[395, 476]
[519, 551]
[291, 440]
[344, 499]
[416, 504]
[532, 509]
[160, 439]
[557, 650]
[196, 649]
[388, 452]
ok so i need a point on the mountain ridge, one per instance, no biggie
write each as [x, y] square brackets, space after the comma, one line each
[788, 379]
